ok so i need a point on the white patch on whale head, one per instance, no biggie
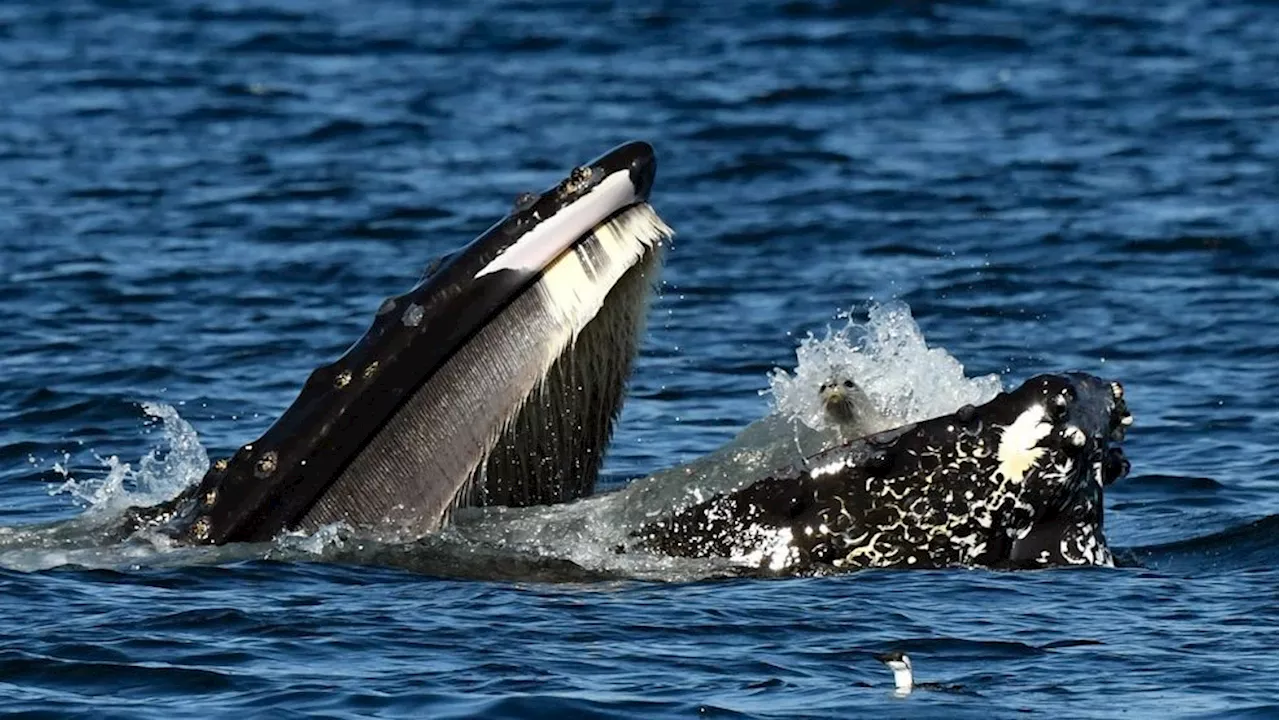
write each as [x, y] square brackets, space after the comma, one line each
[1018, 451]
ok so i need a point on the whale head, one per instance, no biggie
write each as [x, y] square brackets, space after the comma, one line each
[1016, 481]
[495, 380]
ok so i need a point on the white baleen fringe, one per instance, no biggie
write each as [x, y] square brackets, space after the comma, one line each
[568, 297]
[576, 284]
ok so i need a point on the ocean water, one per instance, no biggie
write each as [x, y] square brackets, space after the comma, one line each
[202, 201]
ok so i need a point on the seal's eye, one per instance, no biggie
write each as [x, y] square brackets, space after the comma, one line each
[823, 387]
[848, 383]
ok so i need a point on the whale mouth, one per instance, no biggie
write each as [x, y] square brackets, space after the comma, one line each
[495, 380]
[1015, 482]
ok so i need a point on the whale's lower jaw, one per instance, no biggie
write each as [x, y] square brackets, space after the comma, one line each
[496, 379]
[1016, 482]
[522, 415]
[551, 450]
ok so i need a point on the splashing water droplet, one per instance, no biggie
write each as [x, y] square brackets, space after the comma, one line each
[888, 358]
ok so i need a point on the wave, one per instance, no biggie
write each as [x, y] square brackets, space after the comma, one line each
[1243, 547]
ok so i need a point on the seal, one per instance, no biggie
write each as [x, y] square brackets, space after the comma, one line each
[1015, 482]
[847, 407]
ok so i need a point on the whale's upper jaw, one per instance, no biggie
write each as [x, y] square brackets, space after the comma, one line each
[1016, 481]
[548, 300]
[539, 227]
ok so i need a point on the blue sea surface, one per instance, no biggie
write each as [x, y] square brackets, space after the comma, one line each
[202, 200]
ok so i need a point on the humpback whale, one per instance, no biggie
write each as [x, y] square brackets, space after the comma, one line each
[1015, 482]
[494, 381]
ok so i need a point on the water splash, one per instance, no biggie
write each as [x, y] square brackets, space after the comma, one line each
[887, 356]
[162, 473]
[321, 541]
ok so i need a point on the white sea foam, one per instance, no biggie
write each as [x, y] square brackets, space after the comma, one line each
[332, 536]
[887, 356]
